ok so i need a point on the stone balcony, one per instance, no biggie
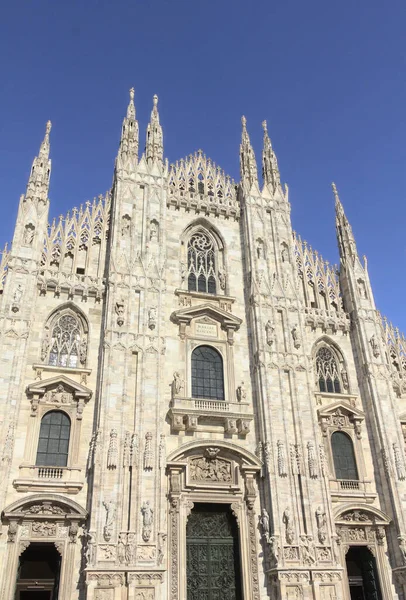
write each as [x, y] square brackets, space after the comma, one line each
[200, 414]
[349, 490]
[52, 479]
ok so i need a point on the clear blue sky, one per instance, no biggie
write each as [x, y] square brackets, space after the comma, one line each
[329, 77]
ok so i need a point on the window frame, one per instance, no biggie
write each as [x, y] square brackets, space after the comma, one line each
[69, 418]
[48, 343]
[223, 382]
[351, 441]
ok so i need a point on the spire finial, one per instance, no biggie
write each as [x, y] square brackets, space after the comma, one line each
[346, 241]
[264, 126]
[270, 169]
[335, 192]
[129, 133]
[154, 143]
[132, 93]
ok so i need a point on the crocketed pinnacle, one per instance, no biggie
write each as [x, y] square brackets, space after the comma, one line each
[248, 164]
[154, 145]
[38, 182]
[345, 237]
[128, 151]
[270, 170]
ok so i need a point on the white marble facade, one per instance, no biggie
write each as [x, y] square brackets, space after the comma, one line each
[98, 321]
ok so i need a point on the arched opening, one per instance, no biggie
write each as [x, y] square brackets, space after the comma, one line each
[212, 554]
[53, 443]
[342, 448]
[207, 373]
[362, 574]
[328, 376]
[38, 573]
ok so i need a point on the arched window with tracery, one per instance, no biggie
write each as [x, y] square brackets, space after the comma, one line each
[342, 449]
[65, 340]
[53, 443]
[328, 376]
[207, 373]
[201, 260]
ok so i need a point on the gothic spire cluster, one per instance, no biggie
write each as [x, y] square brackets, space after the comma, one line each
[154, 146]
[128, 151]
[345, 237]
[248, 164]
[38, 182]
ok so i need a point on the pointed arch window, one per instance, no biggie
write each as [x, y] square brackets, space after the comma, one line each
[207, 373]
[67, 348]
[343, 456]
[53, 443]
[328, 376]
[201, 258]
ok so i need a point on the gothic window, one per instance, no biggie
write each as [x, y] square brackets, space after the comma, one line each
[67, 343]
[53, 441]
[327, 371]
[207, 374]
[343, 456]
[201, 264]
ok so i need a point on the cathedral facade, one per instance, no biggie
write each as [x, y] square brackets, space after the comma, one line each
[195, 405]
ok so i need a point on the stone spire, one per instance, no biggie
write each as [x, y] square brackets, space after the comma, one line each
[270, 170]
[345, 237]
[154, 145]
[128, 150]
[248, 165]
[38, 182]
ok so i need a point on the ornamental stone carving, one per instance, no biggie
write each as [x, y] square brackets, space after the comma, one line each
[399, 462]
[210, 468]
[269, 333]
[43, 529]
[264, 524]
[147, 518]
[120, 312]
[110, 508]
[312, 459]
[148, 452]
[289, 530]
[112, 453]
[178, 385]
[295, 337]
[321, 522]
[374, 346]
[282, 468]
[241, 393]
[152, 317]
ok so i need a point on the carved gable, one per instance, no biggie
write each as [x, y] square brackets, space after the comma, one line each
[206, 314]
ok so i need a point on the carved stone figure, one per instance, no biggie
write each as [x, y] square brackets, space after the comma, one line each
[29, 231]
[282, 469]
[289, 531]
[120, 312]
[295, 337]
[321, 525]
[274, 549]
[110, 508]
[152, 317]
[264, 523]
[18, 292]
[12, 531]
[178, 384]
[147, 518]
[222, 280]
[241, 392]
[307, 550]
[45, 347]
[153, 231]
[161, 548]
[130, 549]
[269, 332]
[83, 351]
[374, 346]
[312, 459]
[121, 544]
[210, 469]
[399, 462]
[8, 446]
[73, 532]
[402, 546]
[125, 226]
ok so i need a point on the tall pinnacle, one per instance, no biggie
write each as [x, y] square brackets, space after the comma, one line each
[345, 237]
[154, 145]
[38, 182]
[270, 170]
[248, 165]
[128, 150]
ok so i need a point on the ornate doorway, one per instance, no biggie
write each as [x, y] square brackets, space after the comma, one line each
[212, 554]
[38, 573]
[362, 574]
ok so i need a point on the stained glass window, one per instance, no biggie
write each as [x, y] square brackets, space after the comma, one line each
[207, 374]
[65, 342]
[53, 441]
[201, 264]
[327, 371]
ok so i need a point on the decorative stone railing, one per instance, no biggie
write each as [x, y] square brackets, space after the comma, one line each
[341, 489]
[201, 414]
[34, 477]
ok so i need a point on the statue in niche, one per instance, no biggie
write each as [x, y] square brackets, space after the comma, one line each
[321, 525]
[125, 226]
[121, 545]
[130, 549]
[295, 337]
[178, 384]
[153, 231]
[269, 332]
[110, 508]
[28, 234]
[147, 518]
[284, 253]
[241, 392]
[260, 249]
[362, 289]
[222, 280]
[45, 346]
[289, 531]
[374, 346]
[18, 292]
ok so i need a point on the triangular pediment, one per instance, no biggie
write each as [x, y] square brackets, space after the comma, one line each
[343, 407]
[185, 315]
[39, 388]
